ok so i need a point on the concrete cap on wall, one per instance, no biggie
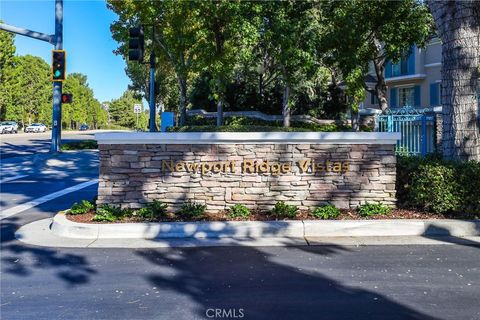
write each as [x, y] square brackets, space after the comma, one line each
[247, 137]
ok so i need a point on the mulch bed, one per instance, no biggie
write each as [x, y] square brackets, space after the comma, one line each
[266, 216]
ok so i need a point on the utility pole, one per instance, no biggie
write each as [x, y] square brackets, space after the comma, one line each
[57, 85]
[57, 41]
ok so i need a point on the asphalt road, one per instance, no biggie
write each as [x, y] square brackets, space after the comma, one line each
[21, 144]
[304, 282]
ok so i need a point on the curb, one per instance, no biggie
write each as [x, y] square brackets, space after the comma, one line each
[63, 227]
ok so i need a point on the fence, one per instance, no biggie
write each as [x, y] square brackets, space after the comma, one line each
[417, 128]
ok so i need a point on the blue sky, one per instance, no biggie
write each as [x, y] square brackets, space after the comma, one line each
[87, 39]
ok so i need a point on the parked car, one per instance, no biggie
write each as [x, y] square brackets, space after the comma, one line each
[83, 127]
[8, 127]
[36, 127]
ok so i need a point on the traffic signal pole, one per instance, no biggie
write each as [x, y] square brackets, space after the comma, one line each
[56, 40]
[152, 124]
[136, 52]
[57, 85]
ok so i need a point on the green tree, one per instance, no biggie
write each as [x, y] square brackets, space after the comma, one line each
[362, 31]
[229, 31]
[176, 36]
[84, 107]
[28, 86]
[7, 52]
[121, 110]
[291, 33]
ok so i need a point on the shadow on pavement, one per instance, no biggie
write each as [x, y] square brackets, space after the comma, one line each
[23, 260]
[443, 234]
[46, 173]
[246, 278]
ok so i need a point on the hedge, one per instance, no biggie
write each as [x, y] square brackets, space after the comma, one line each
[439, 186]
[245, 124]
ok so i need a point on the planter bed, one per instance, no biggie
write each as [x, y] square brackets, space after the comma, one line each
[266, 216]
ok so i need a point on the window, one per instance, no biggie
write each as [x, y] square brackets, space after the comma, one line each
[406, 97]
[373, 98]
[400, 68]
[435, 94]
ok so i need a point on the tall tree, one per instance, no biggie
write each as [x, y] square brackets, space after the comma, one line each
[458, 25]
[84, 107]
[228, 31]
[121, 109]
[290, 38]
[363, 31]
[175, 36]
[7, 52]
[29, 89]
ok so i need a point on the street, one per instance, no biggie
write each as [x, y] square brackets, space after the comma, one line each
[302, 282]
[14, 145]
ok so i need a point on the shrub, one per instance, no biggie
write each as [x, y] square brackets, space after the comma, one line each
[284, 210]
[238, 211]
[111, 214]
[79, 145]
[192, 209]
[436, 185]
[83, 207]
[435, 188]
[370, 209]
[153, 210]
[328, 211]
[469, 179]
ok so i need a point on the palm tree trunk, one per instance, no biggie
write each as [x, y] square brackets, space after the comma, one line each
[458, 24]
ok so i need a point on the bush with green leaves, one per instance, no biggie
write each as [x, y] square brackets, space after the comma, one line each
[79, 145]
[370, 209]
[111, 214]
[328, 211]
[192, 209]
[83, 207]
[433, 184]
[435, 188]
[153, 210]
[284, 210]
[239, 211]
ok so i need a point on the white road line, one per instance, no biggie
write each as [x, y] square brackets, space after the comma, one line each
[20, 176]
[13, 211]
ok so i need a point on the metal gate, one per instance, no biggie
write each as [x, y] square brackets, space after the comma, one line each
[417, 128]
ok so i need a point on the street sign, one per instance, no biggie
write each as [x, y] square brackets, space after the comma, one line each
[137, 108]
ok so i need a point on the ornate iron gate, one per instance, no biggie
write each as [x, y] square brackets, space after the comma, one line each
[417, 127]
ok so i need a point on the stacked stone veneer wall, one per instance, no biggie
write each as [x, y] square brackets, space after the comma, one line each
[131, 175]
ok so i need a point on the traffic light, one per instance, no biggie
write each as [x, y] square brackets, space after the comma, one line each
[67, 98]
[58, 65]
[136, 44]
